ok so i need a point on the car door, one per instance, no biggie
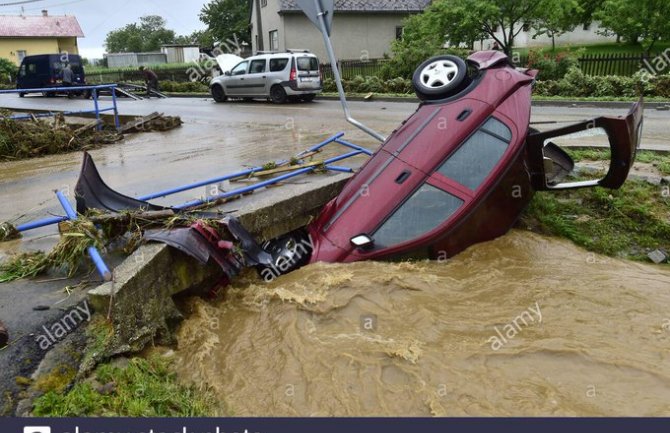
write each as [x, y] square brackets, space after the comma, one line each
[255, 81]
[233, 84]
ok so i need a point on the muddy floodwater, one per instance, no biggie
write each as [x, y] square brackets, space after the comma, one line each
[525, 325]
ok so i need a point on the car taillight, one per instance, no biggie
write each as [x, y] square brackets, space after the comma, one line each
[294, 74]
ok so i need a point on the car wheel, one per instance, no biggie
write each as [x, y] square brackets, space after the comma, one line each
[440, 77]
[278, 94]
[308, 98]
[219, 94]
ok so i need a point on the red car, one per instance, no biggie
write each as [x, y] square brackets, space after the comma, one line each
[460, 170]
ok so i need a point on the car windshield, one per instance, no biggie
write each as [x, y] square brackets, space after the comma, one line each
[308, 64]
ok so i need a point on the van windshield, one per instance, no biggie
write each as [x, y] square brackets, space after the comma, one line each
[308, 64]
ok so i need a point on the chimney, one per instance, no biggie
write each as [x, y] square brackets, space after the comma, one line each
[45, 13]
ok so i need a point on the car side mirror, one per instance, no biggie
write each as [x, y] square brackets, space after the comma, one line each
[362, 241]
[227, 74]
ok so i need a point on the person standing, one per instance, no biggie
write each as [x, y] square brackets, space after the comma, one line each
[150, 79]
[68, 79]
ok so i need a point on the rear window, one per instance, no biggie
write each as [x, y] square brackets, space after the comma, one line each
[308, 64]
[277, 65]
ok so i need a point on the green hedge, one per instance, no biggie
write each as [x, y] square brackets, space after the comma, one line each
[574, 84]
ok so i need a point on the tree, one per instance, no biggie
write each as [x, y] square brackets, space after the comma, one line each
[202, 38]
[8, 70]
[147, 35]
[227, 20]
[557, 18]
[640, 21]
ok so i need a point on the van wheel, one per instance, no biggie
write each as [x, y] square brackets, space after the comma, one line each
[21, 95]
[308, 98]
[439, 77]
[278, 94]
[219, 94]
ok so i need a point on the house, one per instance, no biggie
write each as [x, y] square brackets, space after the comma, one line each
[362, 29]
[22, 35]
[587, 34]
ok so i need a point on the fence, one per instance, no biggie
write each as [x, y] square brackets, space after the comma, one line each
[624, 64]
[351, 68]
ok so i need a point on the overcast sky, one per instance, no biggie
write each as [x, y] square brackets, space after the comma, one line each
[99, 17]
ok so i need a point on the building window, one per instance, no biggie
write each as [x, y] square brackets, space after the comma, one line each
[264, 3]
[20, 55]
[274, 40]
[399, 33]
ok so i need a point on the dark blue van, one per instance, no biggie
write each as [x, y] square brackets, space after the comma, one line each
[46, 70]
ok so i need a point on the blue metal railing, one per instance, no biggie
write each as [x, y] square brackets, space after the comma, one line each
[95, 94]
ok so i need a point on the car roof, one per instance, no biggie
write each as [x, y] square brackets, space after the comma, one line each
[282, 55]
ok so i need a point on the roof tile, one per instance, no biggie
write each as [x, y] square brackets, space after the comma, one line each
[16, 26]
[365, 5]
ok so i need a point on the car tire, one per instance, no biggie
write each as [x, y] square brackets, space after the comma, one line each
[440, 77]
[22, 94]
[278, 94]
[218, 93]
[308, 98]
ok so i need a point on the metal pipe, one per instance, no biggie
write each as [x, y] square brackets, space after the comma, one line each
[41, 223]
[251, 188]
[93, 252]
[353, 146]
[55, 220]
[231, 176]
[338, 78]
[97, 109]
[117, 122]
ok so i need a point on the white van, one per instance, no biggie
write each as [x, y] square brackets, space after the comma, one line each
[291, 75]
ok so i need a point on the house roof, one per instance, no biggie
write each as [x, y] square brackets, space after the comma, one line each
[16, 26]
[369, 6]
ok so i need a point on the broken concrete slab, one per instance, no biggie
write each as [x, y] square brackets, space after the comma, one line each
[139, 300]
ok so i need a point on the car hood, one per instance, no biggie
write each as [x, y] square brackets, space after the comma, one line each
[228, 61]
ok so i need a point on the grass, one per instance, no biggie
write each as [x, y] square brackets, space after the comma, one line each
[660, 160]
[626, 223]
[143, 388]
[91, 70]
[67, 254]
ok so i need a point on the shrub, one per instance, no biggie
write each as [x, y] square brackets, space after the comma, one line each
[8, 71]
[552, 66]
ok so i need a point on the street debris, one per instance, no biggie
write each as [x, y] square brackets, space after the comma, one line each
[21, 139]
[657, 256]
[153, 122]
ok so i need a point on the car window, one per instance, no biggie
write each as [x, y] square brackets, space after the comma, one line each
[22, 71]
[240, 69]
[257, 66]
[277, 65]
[308, 64]
[32, 68]
[472, 163]
[423, 212]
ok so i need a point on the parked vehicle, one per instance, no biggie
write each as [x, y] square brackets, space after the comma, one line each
[46, 71]
[279, 77]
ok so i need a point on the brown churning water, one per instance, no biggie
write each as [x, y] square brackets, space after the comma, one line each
[525, 325]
